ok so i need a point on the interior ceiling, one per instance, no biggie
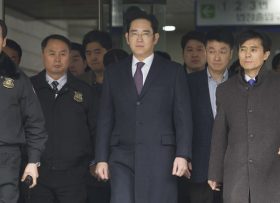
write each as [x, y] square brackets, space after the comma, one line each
[55, 9]
[88, 9]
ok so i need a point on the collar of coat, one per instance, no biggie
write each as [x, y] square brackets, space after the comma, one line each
[7, 67]
[259, 78]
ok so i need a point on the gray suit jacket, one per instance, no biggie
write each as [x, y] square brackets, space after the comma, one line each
[246, 139]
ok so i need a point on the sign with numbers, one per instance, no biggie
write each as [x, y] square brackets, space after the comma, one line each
[237, 12]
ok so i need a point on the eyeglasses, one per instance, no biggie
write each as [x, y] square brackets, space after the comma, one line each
[143, 35]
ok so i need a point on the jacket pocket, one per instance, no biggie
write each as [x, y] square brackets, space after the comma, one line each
[115, 140]
[168, 139]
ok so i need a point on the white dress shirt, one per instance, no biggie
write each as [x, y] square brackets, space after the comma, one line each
[145, 69]
[247, 78]
[61, 81]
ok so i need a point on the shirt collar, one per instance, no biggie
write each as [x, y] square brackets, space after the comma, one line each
[247, 77]
[148, 61]
[61, 81]
[225, 75]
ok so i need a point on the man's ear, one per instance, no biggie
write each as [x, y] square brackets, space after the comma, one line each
[127, 38]
[4, 42]
[156, 38]
[266, 55]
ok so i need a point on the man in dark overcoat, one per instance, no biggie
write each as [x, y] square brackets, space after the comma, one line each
[69, 108]
[245, 142]
[144, 123]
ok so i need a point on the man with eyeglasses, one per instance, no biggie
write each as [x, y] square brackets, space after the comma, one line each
[203, 84]
[144, 125]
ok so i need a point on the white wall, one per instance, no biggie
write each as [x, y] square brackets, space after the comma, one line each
[29, 34]
[173, 45]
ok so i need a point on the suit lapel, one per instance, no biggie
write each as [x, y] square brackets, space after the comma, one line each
[153, 73]
[128, 79]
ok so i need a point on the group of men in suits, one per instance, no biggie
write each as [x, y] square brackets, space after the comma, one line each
[243, 155]
[156, 124]
[147, 116]
[138, 123]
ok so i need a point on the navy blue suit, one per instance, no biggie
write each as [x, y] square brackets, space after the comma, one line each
[140, 135]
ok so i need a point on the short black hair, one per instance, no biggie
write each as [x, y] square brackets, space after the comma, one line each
[15, 46]
[4, 28]
[220, 35]
[276, 61]
[55, 37]
[113, 56]
[142, 15]
[78, 47]
[254, 34]
[102, 37]
[192, 35]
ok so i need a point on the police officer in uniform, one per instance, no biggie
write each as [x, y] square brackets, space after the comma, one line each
[21, 122]
[69, 108]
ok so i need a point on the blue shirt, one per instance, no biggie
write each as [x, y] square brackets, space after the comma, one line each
[213, 84]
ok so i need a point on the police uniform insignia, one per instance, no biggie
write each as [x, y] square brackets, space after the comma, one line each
[78, 96]
[8, 83]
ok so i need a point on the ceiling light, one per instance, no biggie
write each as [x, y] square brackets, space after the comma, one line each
[169, 28]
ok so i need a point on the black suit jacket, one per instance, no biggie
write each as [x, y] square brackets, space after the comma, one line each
[155, 126]
[203, 119]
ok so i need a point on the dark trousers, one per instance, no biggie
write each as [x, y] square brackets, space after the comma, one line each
[202, 193]
[97, 192]
[9, 174]
[66, 194]
[183, 190]
[22, 186]
[59, 186]
[122, 183]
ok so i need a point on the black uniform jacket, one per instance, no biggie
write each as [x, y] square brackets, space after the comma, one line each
[21, 119]
[70, 121]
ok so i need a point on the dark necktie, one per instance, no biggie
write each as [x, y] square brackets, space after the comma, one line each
[251, 82]
[54, 86]
[138, 77]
